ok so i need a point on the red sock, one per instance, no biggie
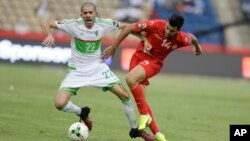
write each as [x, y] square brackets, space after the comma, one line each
[140, 99]
[153, 125]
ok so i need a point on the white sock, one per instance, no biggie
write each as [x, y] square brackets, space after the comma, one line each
[72, 108]
[129, 111]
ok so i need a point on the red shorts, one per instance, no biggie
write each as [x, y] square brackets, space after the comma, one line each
[150, 65]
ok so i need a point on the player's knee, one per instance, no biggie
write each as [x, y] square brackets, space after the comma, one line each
[59, 105]
[130, 81]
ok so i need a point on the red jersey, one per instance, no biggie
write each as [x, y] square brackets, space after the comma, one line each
[155, 33]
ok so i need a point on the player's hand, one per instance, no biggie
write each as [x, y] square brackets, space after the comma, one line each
[49, 41]
[147, 47]
[107, 52]
[197, 52]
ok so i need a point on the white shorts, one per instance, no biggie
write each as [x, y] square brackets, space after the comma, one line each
[94, 76]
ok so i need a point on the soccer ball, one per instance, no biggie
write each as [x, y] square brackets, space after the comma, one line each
[78, 131]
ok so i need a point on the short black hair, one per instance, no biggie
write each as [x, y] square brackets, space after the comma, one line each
[88, 4]
[176, 20]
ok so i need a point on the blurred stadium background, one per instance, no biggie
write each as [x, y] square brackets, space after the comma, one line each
[194, 108]
[222, 27]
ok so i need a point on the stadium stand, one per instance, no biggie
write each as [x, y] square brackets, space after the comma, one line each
[245, 4]
[235, 27]
[56, 8]
[203, 24]
[206, 19]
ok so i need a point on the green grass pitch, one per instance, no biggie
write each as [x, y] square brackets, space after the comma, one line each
[187, 108]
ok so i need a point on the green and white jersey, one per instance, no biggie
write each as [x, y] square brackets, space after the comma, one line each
[86, 43]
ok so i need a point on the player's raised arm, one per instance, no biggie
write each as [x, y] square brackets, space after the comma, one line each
[197, 46]
[122, 25]
[46, 29]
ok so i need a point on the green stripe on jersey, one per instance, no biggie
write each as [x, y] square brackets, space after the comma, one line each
[87, 46]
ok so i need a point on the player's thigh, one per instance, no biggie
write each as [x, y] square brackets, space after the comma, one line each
[120, 91]
[137, 74]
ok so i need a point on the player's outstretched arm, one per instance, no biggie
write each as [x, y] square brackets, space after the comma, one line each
[46, 28]
[110, 51]
[122, 25]
[197, 46]
[147, 45]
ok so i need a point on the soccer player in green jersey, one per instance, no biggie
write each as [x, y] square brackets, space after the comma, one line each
[85, 66]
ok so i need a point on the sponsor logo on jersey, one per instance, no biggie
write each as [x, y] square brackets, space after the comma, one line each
[96, 33]
[145, 62]
[142, 26]
[60, 22]
[115, 23]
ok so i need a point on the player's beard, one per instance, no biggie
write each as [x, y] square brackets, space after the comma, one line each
[169, 36]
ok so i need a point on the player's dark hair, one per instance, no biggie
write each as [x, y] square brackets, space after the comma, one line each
[176, 20]
[88, 4]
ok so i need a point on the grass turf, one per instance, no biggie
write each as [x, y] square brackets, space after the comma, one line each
[187, 108]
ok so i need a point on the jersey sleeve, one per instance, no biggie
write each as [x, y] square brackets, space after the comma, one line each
[108, 24]
[144, 26]
[185, 39]
[64, 25]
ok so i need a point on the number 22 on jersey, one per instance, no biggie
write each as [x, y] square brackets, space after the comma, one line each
[87, 46]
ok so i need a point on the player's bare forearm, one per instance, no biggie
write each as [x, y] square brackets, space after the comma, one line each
[198, 49]
[46, 27]
[129, 28]
[122, 25]
[143, 38]
[110, 51]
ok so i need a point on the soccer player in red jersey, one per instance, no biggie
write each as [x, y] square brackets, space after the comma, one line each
[161, 38]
